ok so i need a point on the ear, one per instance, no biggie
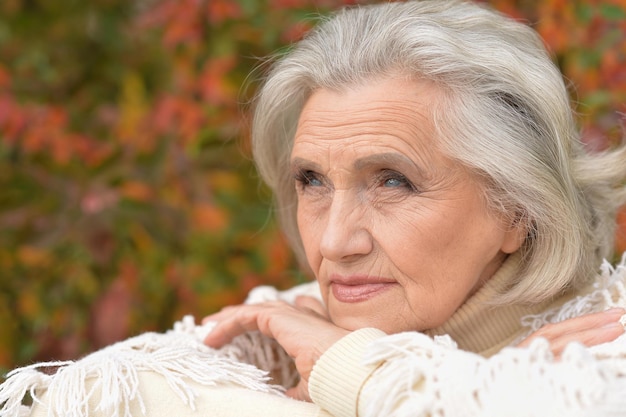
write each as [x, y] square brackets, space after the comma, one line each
[515, 235]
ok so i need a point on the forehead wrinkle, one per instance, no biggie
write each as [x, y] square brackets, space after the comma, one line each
[410, 119]
[402, 124]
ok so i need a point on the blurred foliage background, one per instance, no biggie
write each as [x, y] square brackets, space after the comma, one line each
[127, 194]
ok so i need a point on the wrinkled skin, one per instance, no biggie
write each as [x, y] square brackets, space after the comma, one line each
[397, 234]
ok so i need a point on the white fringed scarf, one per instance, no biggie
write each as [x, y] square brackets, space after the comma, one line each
[251, 361]
[110, 377]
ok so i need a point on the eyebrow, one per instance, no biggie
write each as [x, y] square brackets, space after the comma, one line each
[302, 163]
[384, 159]
[387, 159]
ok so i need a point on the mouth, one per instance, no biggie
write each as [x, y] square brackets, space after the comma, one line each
[358, 290]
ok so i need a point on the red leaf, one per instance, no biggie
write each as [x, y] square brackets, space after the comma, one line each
[183, 23]
[111, 314]
[221, 10]
[208, 217]
[213, 82]
[5, 78]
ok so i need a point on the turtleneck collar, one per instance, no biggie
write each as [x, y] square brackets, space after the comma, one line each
[479, 326]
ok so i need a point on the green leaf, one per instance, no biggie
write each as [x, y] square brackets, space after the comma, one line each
[613, 12]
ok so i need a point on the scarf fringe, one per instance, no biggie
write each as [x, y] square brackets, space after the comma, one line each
[177, 357]
[608, 291]
[423, 377]
[251, 361]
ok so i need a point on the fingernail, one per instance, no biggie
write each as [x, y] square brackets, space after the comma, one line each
[615, 310]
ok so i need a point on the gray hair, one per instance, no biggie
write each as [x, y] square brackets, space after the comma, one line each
[505, 115]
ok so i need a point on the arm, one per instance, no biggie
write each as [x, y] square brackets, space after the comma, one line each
[409, 374]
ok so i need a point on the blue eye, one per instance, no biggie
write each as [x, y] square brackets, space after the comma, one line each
[308, 179]
[393, 179]
[312, 181]
[394, 182]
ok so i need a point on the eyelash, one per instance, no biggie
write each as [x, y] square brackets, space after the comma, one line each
[304, 178]
[388, 174]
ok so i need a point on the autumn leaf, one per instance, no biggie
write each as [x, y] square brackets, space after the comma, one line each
[111, 314]
[5, 78]
[219, 11]
[32, 256]
[182, 24]
[136, 190]
[213, 81]
[210, 218]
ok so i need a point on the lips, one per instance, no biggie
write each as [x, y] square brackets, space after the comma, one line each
[358, 289]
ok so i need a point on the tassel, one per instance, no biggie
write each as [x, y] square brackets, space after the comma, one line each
[179, 356]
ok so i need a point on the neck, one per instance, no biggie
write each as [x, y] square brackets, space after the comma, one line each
[480, 326]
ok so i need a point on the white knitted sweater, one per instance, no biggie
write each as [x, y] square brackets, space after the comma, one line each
[367, 373]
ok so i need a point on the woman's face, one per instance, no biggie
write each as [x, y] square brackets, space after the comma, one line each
[397, 234]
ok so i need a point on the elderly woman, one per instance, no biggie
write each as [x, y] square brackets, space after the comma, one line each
[428, 172]
[427, 167]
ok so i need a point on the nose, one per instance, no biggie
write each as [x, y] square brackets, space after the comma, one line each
[346, 235]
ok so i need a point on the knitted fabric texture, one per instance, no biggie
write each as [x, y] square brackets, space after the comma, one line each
[414, 374]
[178, 355]
[431, 377]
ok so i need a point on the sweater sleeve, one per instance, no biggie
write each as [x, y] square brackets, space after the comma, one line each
[368, 374]
[337, 377]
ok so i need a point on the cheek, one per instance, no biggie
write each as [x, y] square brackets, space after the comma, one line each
[429, 245]
[409, 229]
[309, 228]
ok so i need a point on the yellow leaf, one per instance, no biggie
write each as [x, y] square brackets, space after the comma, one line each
[136, 190]
[209, 217]
[133, 110]
[34, 257]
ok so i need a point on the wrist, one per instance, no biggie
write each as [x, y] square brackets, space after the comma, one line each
[339, 374]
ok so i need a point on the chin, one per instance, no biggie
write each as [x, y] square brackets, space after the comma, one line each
[356, 323]
[353, 324]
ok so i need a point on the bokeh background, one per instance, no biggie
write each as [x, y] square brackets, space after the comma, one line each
[127, 193]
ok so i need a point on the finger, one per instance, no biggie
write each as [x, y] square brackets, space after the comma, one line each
[236, 320]
[589, 337]
[219, 315]
[587, 322]
[231, 324]
[223, 333]
[312, 304]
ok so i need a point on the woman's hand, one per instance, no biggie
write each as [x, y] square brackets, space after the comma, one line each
[590, 330]
[303, 330]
